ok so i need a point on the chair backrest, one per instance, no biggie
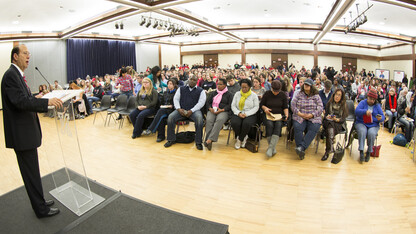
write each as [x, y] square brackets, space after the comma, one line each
[121, 103]
[106, 101]
[131, 105]
[351, 110]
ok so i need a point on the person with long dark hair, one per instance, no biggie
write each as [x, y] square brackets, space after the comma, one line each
[156, 78]
[334, 120]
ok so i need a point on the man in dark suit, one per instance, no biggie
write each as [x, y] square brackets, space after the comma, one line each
[22, 128]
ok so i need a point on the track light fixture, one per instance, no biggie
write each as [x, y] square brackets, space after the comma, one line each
[116, 25]
[121, 26]
[173, 28]
[358, 21]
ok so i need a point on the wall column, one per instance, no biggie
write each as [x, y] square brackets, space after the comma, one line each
[160, 56]
[243, 53]
[414, 60]
[315, 55]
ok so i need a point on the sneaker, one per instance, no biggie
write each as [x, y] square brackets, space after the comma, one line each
[237, 144]
[147, 132]
[243, 143]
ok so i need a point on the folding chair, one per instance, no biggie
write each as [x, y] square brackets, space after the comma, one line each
[131, 105]
[105, 105]
[121, 104]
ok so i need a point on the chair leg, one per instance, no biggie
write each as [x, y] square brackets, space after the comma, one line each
[95, 116]
[229, 133]
[317, 142]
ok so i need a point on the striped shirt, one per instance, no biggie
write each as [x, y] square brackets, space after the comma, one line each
[307, 105]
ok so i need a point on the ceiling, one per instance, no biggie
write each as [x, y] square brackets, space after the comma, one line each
[390, 22]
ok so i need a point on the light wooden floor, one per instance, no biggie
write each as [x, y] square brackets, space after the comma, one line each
[242, 189]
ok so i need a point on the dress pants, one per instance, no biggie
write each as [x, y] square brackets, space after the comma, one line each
[29, 169]
[241, 126]
[214, 124]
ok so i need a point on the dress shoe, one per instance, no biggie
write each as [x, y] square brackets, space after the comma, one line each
[49, 202]
[134, 136]
[52, 212]
[160, 139]
[199, 146]
[169, 144]
[367, 156]
[325, 157]
[209, 146]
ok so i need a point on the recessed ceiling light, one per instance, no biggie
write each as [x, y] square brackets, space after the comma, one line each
[61, 7]
[217, 8]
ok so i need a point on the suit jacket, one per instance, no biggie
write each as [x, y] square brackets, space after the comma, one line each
[21, 123]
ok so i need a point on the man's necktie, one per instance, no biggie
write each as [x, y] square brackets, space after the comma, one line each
[24, 78]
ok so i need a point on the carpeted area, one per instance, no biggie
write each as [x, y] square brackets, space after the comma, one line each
[119, 213]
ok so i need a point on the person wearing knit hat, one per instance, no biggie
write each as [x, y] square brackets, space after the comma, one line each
[369, 115]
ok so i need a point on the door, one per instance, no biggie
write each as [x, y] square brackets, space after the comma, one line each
[211, 60]
[349, 64]
[278, 60]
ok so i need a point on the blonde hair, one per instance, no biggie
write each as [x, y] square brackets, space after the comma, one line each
[143, 90]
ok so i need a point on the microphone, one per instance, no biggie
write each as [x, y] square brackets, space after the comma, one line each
[42, 76]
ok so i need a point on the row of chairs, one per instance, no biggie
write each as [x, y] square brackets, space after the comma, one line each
[123, 107]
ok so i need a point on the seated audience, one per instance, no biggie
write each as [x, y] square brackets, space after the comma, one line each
[391, 107]
[307, 109]
[166, 107]
[257, 89]
[146, 101]
[244, 106]
[369, 115]
[326, 93]
[156, 78]
[188, 102]
[334, 120]
[219, 106]
[232, 86]
[274, 103]
[98, 93]
[208, 84]
[404, 115]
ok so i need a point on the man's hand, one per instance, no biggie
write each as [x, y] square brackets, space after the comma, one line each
[56, 102]
[141, 107]
[181, 111]
[368, 113]
[188, 114]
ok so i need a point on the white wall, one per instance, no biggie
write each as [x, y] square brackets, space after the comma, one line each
[406, 49]
[147, 55]
[401, 65]
[228, 59]
[368, 65]
[5, 50]
[330, 61]
[170, 55]
[227, 46]
[300, 60]
[346, 49]
[261, 59]
[193, 59]
[284, 46]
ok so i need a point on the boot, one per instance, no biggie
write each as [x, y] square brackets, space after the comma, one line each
[271, 150]
[330, 139]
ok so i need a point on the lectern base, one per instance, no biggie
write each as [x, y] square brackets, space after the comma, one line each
[76, 198]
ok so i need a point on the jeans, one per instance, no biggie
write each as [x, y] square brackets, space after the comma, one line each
[305, 140]
[91, 100]
[391, 116]
[159, 122]
[366, 133]
[137, 118]
[128, 93]
[273, 127]
[196, 117]
[408, 127]
[241, 126]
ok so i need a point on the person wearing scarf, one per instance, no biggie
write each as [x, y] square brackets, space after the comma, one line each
[166, 107]
[244, 106]
[219, 106]
[391, 107]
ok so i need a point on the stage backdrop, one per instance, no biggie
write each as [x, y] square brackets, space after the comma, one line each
[98, 57]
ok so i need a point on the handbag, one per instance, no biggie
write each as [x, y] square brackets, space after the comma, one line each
[376, 151]
[338, 154]
[253, 145]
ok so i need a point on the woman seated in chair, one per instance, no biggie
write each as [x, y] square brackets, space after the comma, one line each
[146, 101]
[219, 106]
[391, 107]
[334, 120]
[245, 105]
[404, 115]
[369, 115]
[274, 103]
[307, 109]
[166, 107]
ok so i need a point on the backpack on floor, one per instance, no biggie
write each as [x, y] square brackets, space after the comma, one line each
[400, 140]
[185, 137]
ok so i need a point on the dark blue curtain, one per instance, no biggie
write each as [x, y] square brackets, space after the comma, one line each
[98, 57]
